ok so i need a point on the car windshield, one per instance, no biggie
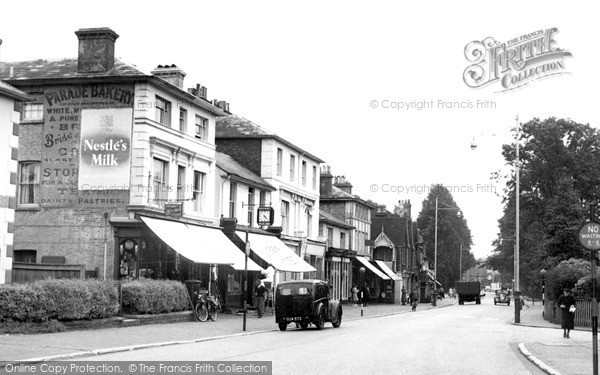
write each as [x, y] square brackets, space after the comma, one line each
[295, 289]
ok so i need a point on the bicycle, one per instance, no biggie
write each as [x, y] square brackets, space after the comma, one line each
[206, 307]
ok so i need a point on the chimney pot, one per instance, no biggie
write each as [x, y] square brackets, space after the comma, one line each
[170, 73]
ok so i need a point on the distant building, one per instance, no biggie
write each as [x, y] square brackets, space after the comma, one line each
[397, 243]
[10, 100]
[338, 201]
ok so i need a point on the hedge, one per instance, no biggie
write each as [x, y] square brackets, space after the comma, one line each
[154, 297]
[60, 299]
[72, 299]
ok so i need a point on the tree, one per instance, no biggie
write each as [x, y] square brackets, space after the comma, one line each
[452, 232]
[560, 176]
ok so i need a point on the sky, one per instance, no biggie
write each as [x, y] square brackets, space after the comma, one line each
[374, 88]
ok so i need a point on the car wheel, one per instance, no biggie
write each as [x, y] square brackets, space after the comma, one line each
[320, 323]
[282, 326]
[338, 322]
[304, 325]
[508, 303]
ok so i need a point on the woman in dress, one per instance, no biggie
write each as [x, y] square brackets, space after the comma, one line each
[566, 302]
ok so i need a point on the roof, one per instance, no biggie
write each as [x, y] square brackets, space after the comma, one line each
[12, 92]
[227, 164]
[236, 127]
[393, 226]
[330, 219]
[338, 194]
[61, 68]
[55, 71]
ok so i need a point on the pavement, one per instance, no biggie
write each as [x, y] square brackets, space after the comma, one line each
[571, 357]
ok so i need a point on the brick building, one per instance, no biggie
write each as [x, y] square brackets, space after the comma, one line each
[10, 99]
[117, 169]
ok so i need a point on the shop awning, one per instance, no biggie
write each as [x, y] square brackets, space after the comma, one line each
[199, 244]
[372, 268]
[387, 270]
[274, 252]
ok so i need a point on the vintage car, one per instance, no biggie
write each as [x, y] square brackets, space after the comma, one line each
[502, 296]
[306, 302]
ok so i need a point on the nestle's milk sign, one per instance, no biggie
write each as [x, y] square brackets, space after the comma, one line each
[105, 149]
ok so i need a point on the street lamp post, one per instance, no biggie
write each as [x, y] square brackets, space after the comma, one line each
[517, 290]
[435, 253]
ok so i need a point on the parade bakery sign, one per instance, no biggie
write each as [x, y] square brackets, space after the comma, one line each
[86, 144]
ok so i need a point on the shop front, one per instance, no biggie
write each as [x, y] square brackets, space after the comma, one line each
[168, 249]
[269, 251]
[392, 289]
[338, 271]
[373, 281]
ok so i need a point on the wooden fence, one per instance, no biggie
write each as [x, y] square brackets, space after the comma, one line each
[583, 313]
[29, 272]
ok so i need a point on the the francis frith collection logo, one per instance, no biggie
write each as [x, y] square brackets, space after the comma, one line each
[514, 63]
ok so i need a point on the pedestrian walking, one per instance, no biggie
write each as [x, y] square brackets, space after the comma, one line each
[414, 299]
[354, 294]
[403, 299]
[366, 295]
[260, 291]
[566, 302]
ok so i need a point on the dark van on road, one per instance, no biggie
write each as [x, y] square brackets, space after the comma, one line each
[306, 302]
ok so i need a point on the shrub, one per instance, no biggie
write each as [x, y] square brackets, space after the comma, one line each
[583, 289]
[154, 297]
[566, 275]
[65, 299]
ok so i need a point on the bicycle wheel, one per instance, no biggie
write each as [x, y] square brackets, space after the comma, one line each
[201, 311]
[214, 313]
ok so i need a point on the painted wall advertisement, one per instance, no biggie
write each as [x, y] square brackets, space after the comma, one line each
[87, 145]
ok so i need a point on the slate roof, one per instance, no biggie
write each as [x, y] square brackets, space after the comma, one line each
[338, 194]
[61, 69]
[328, 218]
[233, 126]
[55, 70]
[393, 226]
[12, 92]
[227, 164]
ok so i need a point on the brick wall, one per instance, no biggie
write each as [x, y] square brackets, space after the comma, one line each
[247, 152]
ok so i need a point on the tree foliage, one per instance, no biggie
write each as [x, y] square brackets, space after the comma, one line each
[559, 178]
[566, 275]
[452, 232]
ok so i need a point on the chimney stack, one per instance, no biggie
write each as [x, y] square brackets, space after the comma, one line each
[326, 181]
[96, 50]
[342, 184]
[170, 73]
